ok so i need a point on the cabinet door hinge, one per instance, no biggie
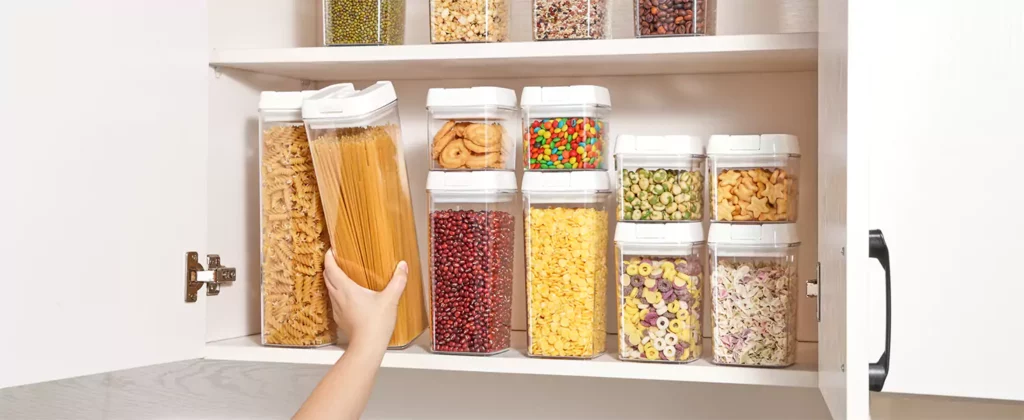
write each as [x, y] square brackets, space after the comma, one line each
[196, 276]
[813, 290]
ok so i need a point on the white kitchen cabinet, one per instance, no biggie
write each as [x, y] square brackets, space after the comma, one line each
[152, 153]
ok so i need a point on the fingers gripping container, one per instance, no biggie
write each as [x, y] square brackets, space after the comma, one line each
[755, 178]
[565, 127]
[355, 138]
[295, 307]
[754, 293]
[472, 247]
[472, 129]
[566, 238]
[660, 273]
[660, 178]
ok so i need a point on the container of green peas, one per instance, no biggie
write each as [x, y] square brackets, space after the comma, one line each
[661, 178]
[364, 22]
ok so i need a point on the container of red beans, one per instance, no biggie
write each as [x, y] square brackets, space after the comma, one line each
[565, 128]
[472, 237]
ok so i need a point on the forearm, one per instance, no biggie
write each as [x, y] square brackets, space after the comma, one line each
[342, 393]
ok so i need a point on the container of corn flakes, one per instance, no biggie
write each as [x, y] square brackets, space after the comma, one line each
[754, 178]
[660, 274]
[661, 178]
[566, 238]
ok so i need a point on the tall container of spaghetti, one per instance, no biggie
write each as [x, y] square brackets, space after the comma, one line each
[355, 139]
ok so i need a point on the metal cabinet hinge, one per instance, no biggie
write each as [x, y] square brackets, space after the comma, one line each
[813, 290]
[213, 276]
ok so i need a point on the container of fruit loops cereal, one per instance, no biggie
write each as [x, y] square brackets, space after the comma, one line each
[754, 178]
[753, 274]
[660, 275]
[566, 241]
[660, 178]
[565, 128]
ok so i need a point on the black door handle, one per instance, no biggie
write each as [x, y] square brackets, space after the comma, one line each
[877, 249]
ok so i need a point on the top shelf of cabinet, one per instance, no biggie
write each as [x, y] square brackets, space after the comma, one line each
[613, 57]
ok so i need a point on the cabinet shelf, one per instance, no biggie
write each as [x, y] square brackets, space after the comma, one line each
[613, 57]
[803, 374]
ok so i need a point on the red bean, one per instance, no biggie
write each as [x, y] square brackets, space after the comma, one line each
[471, 272]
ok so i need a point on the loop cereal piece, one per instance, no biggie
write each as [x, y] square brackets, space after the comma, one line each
[454, 154]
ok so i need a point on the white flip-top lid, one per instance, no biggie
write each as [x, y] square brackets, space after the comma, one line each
[566, 182]
[566, 95]
[474, 96]
[471, 186]
[659, 233]
[342, 102]
[753, 145]
[628, 144]
[767, 235]
[284, 106]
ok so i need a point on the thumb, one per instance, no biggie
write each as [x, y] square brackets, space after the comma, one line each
[396, 286]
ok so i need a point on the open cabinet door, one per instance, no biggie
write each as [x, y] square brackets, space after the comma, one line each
[104, 169]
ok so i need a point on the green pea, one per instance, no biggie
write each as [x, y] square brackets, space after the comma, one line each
[677, 215]
[676, 190]
[686, 215]
[643, 173]
[625, 179]
[658, 189]
[635, 202]
[671, 207]
[635, 189]
[654, 200]
[633, 177]
[660, 176]
[665, 198]
[646, 215]
[645, 205]
[657, 215]
[659, 207]
[644, 183]
[637, 214]
[627, 215]
[630, 196]
[643, 195]
[627, 208]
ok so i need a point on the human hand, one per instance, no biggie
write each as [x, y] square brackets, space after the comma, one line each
[367, 316]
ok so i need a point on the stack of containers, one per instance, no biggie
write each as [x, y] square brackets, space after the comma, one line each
[566, 198]
[754, 244]
[659, 243]
[471, 190]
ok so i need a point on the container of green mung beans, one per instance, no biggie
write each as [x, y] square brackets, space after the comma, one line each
[364, 22]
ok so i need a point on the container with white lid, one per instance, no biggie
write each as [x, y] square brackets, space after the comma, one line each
[356, 145]
[288, 203]
[660, 273]
[755, 177]
[472, 250]
[754, 293]
[661, 178]
[566, 238]
[565, 127]
[472, 129]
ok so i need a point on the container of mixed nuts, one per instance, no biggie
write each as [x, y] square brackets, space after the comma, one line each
[661, 178]
[671, 17]
[364, 22]
[472, 129]
[459, 21]
[571, 19]
[755, 178]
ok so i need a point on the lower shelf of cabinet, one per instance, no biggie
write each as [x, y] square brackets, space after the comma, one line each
[803, 374]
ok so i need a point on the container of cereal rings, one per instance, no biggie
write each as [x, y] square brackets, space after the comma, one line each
[566, 238]
[754, 293]
[660, 272]
[464, 21]
[755, 178]
[661, 178]
[571, 19]
[472, 248]
[565, 127]
[472, 129]
[295, 308]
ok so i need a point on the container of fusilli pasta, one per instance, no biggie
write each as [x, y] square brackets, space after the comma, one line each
[355, 139]
[296, 310]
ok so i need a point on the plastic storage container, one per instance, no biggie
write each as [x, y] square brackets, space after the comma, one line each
[659, 292]
[754, 293]
[566, 238]
[472, 129]
[364, 22]
[295, 307]
[472, 247]
[357, 152]
[565, 127]
[671, 17]
[571, 19]
[755, 178]
[661, 178]
[458, 21]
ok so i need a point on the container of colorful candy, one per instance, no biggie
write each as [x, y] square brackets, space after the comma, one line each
[565, 128]
[660, 271]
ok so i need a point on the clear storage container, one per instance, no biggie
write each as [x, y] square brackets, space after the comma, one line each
[661, 178]
[294, 306]
[364, 22]
[571, 19]
[458, 21]
[565, 127]
[660, 272]
[472, 129]
[360, 169]
[755, 178]
[566, 237]
[472, 247]
[671, 17]
[754, 293]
